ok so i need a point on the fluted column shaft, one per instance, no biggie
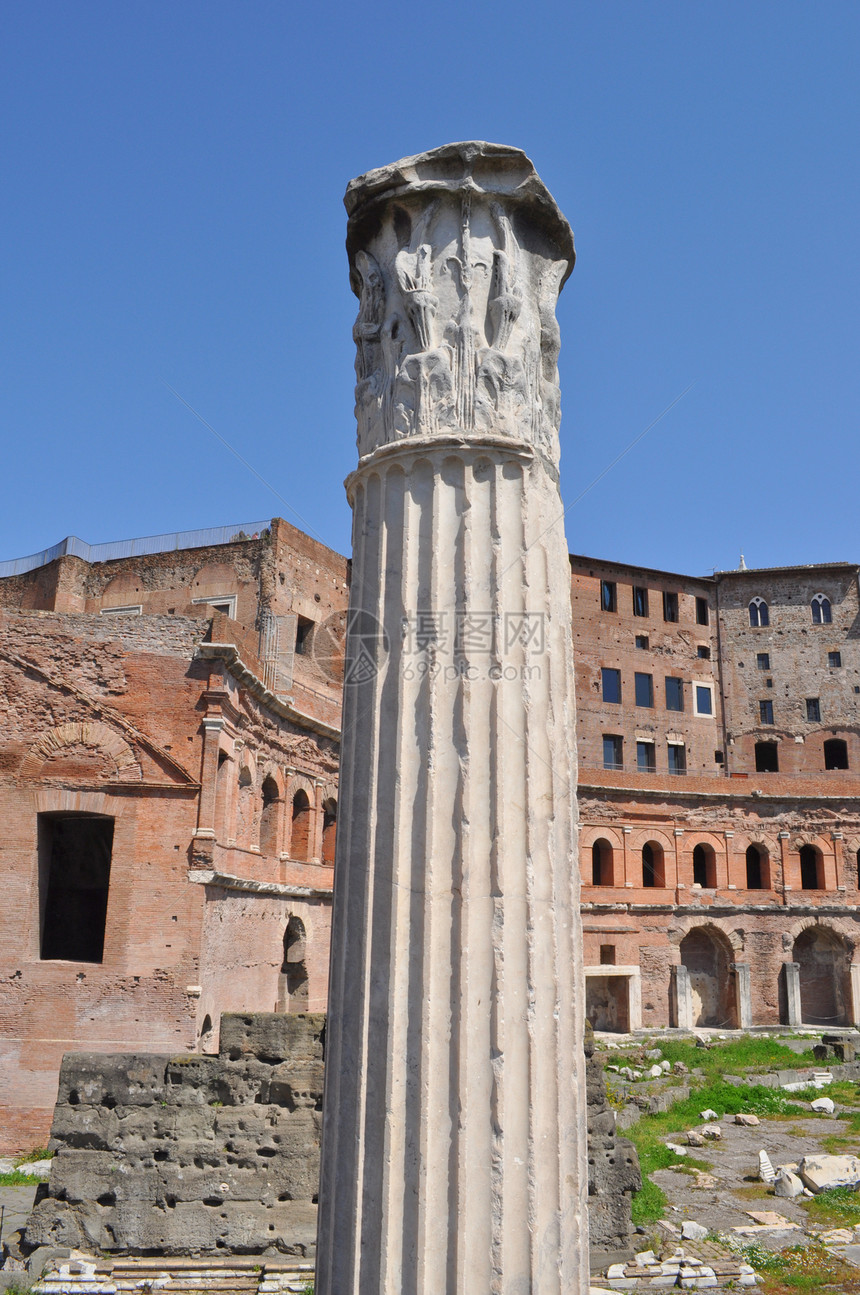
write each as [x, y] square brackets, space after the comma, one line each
[455, 1121]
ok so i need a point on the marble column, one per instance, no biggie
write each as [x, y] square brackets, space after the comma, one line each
[454, 1133]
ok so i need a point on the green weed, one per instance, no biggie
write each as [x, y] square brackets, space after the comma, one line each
[840, 1207]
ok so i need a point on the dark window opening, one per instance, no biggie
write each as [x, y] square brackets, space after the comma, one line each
[674, 693]
[652, 865]
[613, 749]
[834, 659]
[670, 606]
[74, 874]
[755, 873]
[611, 686]
[704, 867]
[677, 758]
[607, 955]
[768, 683]
[703, 652]
[821, 614]
[813, 710]
[765, 712]
[759, 614]
[602, 864]
[702, 612]
[640, 601]
[766, 757]
[835, 753]
[718, 757]
[304, 633]
[762, 660]
[642, 641]
[608, 596]
[644, 684]
[810, 868]
[646, 761]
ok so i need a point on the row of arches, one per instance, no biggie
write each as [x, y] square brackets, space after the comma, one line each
[653, 866]
[297, 819]
[646, 866]
[820, 961]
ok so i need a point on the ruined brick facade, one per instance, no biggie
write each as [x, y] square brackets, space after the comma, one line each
[168, 768]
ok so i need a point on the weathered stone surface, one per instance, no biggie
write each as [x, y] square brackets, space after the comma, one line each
[787, 1184]
[219, 1152]
[613, 1166]
[820, 1173]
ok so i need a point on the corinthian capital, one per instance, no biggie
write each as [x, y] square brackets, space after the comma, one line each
[457, 257]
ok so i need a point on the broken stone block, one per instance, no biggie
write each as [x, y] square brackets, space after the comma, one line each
[821, 1173]
[709, 1115]
[712, 1132]
[766, 1171]
[787, 1184]
[695, 1139]
[692, 1231]
[656, 1072]
[748, 1121]
[823, 1106]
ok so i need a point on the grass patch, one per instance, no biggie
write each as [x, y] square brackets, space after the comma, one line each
[801, 1268]
[38, 1153]
[840, 1207]
[15, 1178]
[739, 1056]
[648, 1205]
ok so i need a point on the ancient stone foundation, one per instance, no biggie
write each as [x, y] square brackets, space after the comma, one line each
[192, 1154]
[613, 1170]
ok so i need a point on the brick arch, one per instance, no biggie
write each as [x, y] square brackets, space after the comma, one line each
[588, 835]
[302, 827]
[93, 734]
[718, 927]
[711, 950]
[301, 782]
[644, 834]
[841, 927]
[273, 771]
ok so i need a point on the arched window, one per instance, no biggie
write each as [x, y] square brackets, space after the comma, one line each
[756, 868]
[293, 977]
[821, 610]
[269, 818]
[704, 867]
[758, 612]
[652, 864]
[766, 757]
[601, 864]
[835, 753]
[810, 868]
[329, 829]
[300, 838]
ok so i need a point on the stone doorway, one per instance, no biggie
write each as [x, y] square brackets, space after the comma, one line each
[823, 960]
[708, 958]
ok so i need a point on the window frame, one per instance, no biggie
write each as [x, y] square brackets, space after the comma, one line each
[649, 678]
[609, 596]
[834, 665]
[229, 599]
[672, 678]
[760, 618]
[765, 707]
[605, 671]
[813, 710]
[671, 606]
[703, 610]
[677, 768]
[643, 747]
[762, 660]
[640, 595]
[709, 688]
[617, 741]
[822, 609]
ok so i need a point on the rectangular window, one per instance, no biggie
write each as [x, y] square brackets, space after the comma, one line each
[703, 699]
[613, 751]
[644, 689]
[677, 758]
[608, 596]
[765, 712]
[702, 612]
[834, 659]
[611, 681]
[670, 607]
[703, 652]
[642, 641]
[607, 955]
[304, 631]
[674, 693]
[74, 874]
[646, 761]
[762, 660]
[640, 601]
[813, 710]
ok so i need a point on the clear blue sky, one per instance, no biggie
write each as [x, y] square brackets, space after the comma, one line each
[172, 214]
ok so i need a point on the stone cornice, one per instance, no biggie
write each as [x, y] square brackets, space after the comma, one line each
[210, 877]
[229, 654]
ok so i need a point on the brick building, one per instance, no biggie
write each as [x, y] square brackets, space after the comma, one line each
[168, 766]
[168, 762]
[718, 788]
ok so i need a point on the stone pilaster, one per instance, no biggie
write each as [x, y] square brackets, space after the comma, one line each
[454, 1126]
